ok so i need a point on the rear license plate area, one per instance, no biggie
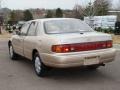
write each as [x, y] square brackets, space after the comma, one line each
[91, 60]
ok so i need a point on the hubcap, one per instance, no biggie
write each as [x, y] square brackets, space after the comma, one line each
[37, 65]
[11, 51]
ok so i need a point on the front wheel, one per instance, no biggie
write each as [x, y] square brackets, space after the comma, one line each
[40, 69]
[12, 54]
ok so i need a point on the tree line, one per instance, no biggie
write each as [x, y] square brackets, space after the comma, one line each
[27, 15]
[97, 8]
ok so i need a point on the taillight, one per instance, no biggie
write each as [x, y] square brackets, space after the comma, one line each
[109, 44]
[64, 48]
[61, 48]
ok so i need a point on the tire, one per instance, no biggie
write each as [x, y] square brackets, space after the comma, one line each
[93, 67]
[40, 69]
[12, 54]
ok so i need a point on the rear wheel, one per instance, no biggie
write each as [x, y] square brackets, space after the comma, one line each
[12, 54]
[40, 69]
[93, 67]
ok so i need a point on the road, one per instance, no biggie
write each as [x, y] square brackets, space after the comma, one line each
[19, 75]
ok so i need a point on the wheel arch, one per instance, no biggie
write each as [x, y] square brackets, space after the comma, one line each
[33, 53]
[9, 43]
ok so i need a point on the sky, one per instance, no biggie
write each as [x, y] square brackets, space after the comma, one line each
[47, 4]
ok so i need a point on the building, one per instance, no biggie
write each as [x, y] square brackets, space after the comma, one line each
[115, 12]
[102, 21]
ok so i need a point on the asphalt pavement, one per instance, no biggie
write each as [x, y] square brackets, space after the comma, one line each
[19, 75]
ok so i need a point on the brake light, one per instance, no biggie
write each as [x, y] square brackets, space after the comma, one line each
[109, 44]
[61, 48]
[81, 47]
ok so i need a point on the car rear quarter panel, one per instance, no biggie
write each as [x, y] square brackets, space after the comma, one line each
[45, 43]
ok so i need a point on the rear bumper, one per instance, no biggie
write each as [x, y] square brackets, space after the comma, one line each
[77, 59]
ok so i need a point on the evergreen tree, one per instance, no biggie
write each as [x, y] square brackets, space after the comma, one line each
[28, 15]
[59, 12]
[16, 15]
[12, 16]
[49, 14]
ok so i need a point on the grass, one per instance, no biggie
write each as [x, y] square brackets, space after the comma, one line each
[5, 35]
[116, 39]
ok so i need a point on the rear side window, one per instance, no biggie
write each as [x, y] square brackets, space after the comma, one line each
[32, 29]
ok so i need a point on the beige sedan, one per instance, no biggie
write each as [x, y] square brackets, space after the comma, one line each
[61, 43]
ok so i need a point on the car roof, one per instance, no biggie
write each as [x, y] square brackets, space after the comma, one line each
[49, 19]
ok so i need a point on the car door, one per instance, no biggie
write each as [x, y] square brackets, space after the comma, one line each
[18, 41]
[30, 40]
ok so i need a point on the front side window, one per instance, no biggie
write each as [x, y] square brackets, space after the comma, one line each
[66, 26]
[24, 29]
[32, 29]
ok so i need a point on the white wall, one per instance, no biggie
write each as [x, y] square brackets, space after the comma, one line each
[102, 21]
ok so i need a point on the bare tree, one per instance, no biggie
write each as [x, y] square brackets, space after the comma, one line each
[78, 12]
[101, 7]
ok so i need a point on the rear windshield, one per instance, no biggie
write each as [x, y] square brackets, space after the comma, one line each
[66, 26]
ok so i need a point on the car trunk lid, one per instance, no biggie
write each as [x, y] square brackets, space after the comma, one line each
[82, 42]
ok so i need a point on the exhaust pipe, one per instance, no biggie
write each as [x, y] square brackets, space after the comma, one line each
[102, 64]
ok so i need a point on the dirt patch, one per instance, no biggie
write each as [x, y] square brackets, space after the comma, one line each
[5, 35]
[116, 39]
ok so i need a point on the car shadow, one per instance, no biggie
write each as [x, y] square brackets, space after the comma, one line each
[74, 74]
